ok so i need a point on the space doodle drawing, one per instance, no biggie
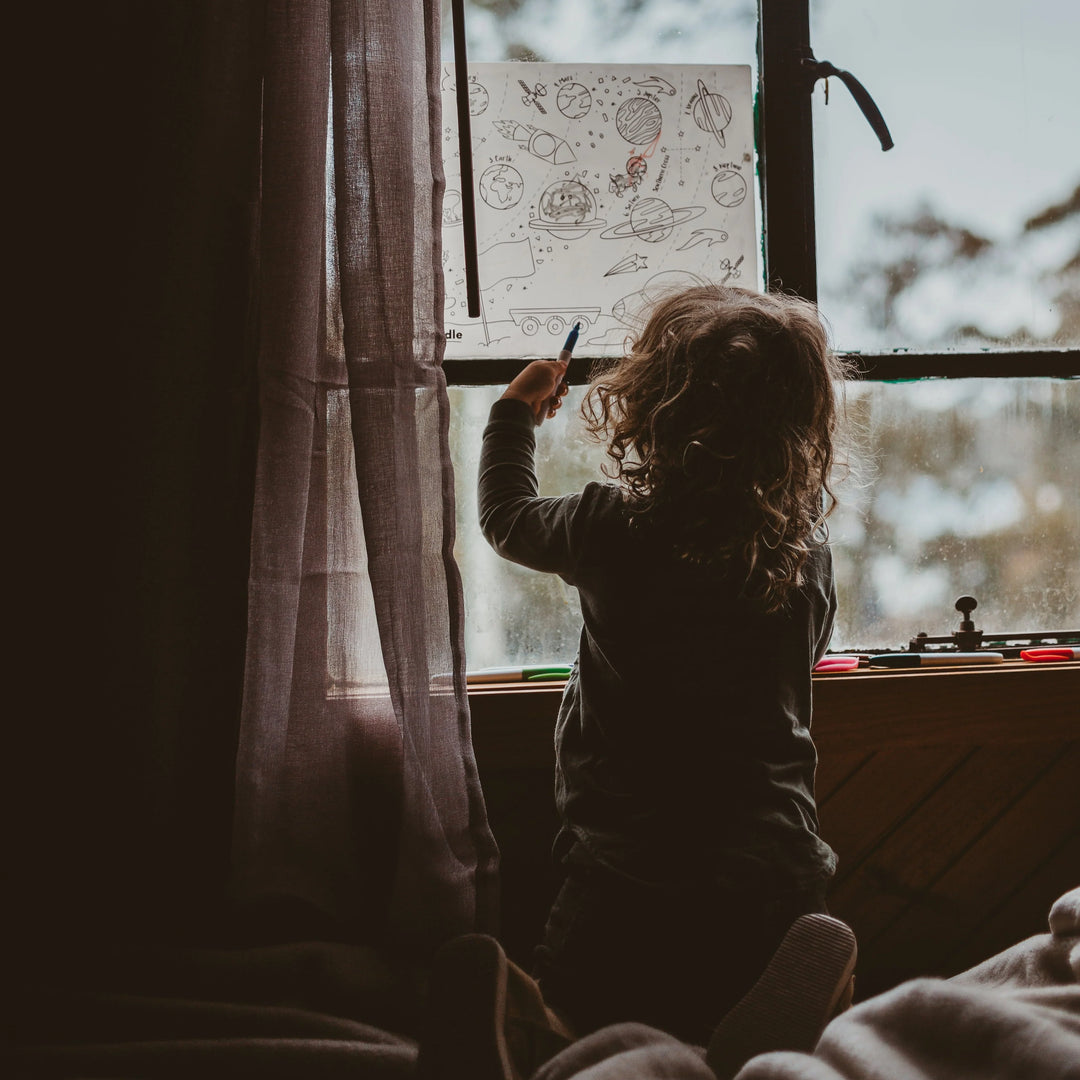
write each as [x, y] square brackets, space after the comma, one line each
[598, 188]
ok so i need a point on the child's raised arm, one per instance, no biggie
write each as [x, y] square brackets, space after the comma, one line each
[540, 385]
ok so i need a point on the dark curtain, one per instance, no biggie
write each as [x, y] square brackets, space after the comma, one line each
[180, 355]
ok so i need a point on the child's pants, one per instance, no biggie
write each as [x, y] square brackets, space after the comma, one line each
[674, 957]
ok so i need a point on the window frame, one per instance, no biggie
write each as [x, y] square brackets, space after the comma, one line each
[785, 131]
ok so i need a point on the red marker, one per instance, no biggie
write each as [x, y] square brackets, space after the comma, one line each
[1050, 653]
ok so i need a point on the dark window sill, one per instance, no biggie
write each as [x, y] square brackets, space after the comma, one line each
[1014, 702]
[883, 367]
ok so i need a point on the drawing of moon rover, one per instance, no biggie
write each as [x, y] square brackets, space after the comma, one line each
[554, 320]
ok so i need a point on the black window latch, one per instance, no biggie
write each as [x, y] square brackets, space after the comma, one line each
[822, 69]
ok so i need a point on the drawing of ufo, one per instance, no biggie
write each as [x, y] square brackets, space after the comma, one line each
[567, 210]
[652, 220]
[712, 112]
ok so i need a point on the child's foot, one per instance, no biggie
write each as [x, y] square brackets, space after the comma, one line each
[807, 982]
[486, 1019]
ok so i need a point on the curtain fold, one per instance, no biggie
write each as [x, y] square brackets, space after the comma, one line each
[357, 791]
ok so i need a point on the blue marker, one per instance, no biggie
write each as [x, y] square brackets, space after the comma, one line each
[571, 341]
[567, 349]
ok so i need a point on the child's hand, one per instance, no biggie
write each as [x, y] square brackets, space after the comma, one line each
[540, 385]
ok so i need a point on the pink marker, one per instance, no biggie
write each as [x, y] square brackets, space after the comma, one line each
[836, 663]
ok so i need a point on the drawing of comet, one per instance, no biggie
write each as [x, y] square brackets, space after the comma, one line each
[628, 265]
[704, 236]
[654, 82]
[541, 144]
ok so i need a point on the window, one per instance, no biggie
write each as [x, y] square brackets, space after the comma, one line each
[957, 252]
[964, 235]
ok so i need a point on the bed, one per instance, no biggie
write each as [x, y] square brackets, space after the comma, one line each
[326, 1010]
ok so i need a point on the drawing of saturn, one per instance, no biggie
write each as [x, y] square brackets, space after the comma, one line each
[651, 220]
[712, 112]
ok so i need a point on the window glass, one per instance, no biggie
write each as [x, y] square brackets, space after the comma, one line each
[967, 486]
[967, 233]
[955, 487]
[514, 615]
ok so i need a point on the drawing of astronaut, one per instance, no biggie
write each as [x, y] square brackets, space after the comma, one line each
[636, 168]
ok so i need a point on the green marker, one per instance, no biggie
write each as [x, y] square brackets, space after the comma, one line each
[527, 673]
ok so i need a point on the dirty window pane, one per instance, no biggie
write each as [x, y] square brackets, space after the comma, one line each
[960, 487]
[965, 236]
[967, 486]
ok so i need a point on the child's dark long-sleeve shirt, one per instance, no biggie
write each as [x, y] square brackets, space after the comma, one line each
[683, 743]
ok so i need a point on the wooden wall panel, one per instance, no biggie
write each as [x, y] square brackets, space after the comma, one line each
[953, 801]
[1026, 832]
[835, 770]
[899, 871]
[1024, 913]
[862, 813]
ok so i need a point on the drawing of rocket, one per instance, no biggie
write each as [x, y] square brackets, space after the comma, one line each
[541, 144]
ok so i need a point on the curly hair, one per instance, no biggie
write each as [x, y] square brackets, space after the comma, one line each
[720, 423]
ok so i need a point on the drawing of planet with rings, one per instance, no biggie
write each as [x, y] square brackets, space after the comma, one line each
[652, 220]
[712, 112]
[574, 100]
[501, 186]
[728, 188]
[567, 210]
[638, 120]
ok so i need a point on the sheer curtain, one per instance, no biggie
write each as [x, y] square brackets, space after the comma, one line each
[357, 792]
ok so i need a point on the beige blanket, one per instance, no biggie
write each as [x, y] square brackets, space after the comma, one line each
[1014, 1017]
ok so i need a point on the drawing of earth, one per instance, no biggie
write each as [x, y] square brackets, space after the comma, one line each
[638, 120]
[501, 186]
[478, 98]
[728, 187]
[652, 220]
[567, 210]
[712, 112]
[574, 100]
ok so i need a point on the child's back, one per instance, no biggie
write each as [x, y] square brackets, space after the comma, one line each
[684, 760]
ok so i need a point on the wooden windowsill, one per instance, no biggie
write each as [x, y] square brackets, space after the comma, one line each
[1014, 702]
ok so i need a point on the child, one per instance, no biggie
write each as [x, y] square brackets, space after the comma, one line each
[684, 766]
